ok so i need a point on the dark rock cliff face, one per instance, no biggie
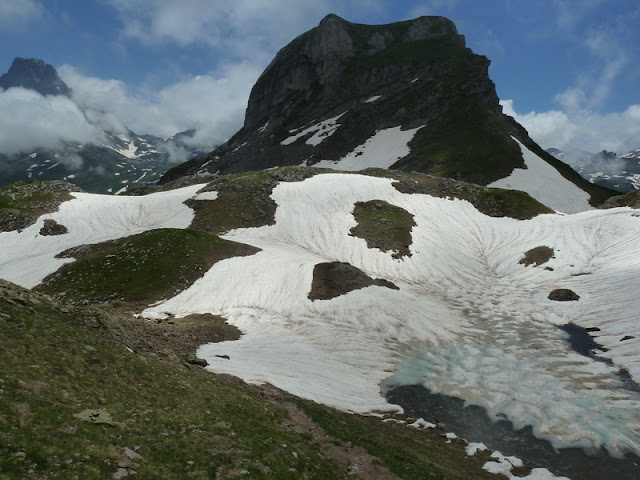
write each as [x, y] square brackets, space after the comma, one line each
[36, 75]
[416, 73]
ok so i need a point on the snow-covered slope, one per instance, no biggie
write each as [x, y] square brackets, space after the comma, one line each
[468, 320]
[545, 184]
[28, 256]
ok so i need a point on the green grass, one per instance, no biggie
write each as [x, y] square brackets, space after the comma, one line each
[494, 202]
[21, 203]
[141, 268]
[34, 197]
[57, 362]
[409, 453]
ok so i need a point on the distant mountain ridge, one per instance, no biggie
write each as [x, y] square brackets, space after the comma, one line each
[114, 162]
[408, 96]
[607, 169]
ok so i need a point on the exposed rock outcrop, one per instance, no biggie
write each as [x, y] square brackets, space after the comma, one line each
[34, 74]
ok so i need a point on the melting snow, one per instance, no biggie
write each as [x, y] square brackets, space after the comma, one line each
[382, 150]
[468, 320]
[27, 257]
[206, 196]
[322, 131]
[262, 128]
[373, 99]
[545, 184]
[33, 155]
[239, 147]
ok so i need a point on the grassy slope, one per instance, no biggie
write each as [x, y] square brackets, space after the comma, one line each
[21, 203]
[59, 361]
[141, 268]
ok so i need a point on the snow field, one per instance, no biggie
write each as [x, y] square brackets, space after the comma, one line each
[545, 184]
[469, 321]
[27, 257]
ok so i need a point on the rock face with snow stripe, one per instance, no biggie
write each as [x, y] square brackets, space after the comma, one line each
[408, 96]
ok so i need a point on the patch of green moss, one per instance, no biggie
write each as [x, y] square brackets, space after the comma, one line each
[141, 268]
[494, 202]
[384, 226]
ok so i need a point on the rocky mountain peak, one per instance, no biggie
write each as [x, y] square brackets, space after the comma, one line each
[318, 60]
[406, 96]
[34, 74]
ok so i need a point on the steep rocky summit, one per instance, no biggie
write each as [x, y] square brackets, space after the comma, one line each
[34, 74]
[406, 96]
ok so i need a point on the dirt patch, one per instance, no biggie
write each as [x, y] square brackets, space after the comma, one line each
[333, 279]
[563, 295]
[354, 459]
[51, 227]
[384, 226]
[537, 256]
[174, 338]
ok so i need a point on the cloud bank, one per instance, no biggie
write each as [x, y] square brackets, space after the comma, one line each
[28, 121]
[18, 14]
[581, 129]
[212, 104]
[233, 26]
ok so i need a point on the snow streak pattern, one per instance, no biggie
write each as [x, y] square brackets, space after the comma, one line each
[27, 257]
[469, 320]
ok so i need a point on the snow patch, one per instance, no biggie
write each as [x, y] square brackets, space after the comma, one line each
[323, 130]
[545, 184]
[373, 99]
[27, 257]
[382, 150]
[206, 196]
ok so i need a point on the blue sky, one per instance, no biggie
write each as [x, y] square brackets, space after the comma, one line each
[569, 70]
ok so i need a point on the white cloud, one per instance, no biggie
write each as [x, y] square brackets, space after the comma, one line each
[28, 120]
[432, 7]
[581, 129]
[213, 104]
[256, 28]
[17, 14]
